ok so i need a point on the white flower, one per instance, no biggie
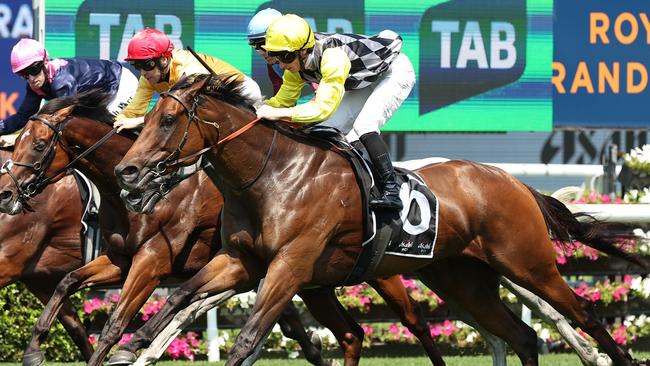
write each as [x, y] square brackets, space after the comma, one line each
[545, 335]
[471, 337]
[537, 327]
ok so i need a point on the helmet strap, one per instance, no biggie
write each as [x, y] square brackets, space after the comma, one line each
[164, 69]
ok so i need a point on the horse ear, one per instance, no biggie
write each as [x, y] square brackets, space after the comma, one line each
[64, 112]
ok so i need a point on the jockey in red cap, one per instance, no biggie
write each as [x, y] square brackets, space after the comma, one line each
[162, 66]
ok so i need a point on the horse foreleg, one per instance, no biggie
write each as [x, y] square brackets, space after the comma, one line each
[101, 271]
[67, 316]
[281, 283]
[394, 292]
[224, 273]
[588, 354]
[328, 311]
[292, 327]
[142, 279]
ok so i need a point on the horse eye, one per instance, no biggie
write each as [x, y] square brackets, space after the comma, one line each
[167, 121]
[39, 145]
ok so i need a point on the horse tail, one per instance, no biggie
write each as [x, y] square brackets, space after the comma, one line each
[565, 227]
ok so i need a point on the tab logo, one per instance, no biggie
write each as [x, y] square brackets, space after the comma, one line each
[334, 16]
[104, 28]
[468, 47]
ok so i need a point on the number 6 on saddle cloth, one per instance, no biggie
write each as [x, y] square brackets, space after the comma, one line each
[411, 232]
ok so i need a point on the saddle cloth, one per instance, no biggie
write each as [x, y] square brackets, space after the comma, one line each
[411, 232]
[90, 200]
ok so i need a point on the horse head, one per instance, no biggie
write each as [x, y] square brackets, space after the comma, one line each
[186, 122]
[66, 133]
[35, 161]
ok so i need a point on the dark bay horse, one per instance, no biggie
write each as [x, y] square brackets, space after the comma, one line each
[41, 246]
[295, 204]
[177, 239]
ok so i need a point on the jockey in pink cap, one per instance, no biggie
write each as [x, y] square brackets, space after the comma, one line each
[52, 78]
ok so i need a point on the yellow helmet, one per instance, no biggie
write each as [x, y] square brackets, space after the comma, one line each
[289, 33]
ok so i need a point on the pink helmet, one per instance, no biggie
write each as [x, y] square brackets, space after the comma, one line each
[149, 43]
[26, 52]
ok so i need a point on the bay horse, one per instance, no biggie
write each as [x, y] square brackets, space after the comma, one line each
[295, 204]
[177, 238]
[42, 245]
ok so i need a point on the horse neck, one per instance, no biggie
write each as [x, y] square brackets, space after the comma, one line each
[239, 161]
[100, 164]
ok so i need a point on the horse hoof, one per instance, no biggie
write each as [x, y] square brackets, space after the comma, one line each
[34, 359]
[122, 357]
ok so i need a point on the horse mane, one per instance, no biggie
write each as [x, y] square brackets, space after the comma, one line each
[224, 87]
[90, 104]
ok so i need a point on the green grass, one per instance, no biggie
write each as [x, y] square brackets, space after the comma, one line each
[545, 360]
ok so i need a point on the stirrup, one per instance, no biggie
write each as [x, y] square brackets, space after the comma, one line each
[387, 202]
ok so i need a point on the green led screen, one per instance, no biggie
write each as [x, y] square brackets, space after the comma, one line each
[480, 65]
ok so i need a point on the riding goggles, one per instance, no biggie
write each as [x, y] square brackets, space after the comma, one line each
[286, 57]
[256, 44]
[146, 65]
[33, 70]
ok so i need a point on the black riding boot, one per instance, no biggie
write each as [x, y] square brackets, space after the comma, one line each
[378, 152]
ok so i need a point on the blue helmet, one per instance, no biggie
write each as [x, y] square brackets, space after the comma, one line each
[260, 22]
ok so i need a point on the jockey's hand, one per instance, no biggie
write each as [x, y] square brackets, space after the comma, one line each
[128, 123]
[274, 114]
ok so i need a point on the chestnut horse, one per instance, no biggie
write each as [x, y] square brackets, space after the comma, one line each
[293, 205]
[176, 239]
[40, 246]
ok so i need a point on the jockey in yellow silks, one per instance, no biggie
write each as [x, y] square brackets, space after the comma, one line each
[362, 81]
[162, 66]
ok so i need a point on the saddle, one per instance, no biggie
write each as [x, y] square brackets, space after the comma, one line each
[411, 232]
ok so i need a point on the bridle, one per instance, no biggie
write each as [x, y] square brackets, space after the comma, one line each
[40, 167]
[164, 164]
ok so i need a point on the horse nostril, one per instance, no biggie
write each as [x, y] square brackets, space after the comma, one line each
[5, 196]
[128, 173]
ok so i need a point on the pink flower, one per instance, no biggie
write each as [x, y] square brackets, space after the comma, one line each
[364, 300]
[581, 200]
[367, 329]
[394, 330]
[618, 200]
[92, 339]
[407, 333]
[448, 328]
[619, 335]
[125, 339]
[436, 330]
[561, 260]
[606, 198]
[627, 279]
[409, 283]
[593, 197]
